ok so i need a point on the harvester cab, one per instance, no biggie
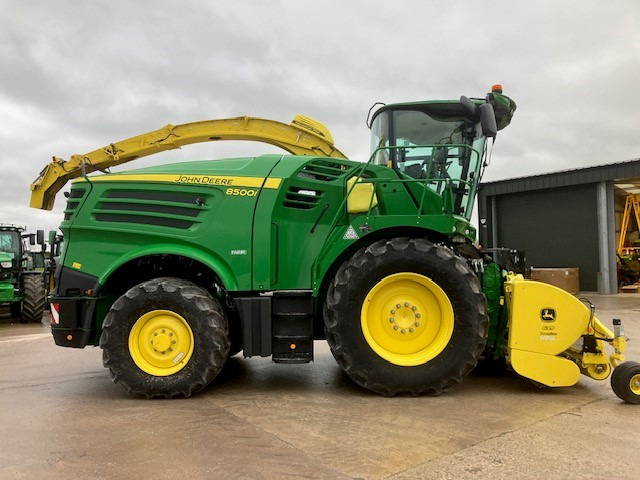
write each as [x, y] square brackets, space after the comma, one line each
[443, 142]
[173, 268]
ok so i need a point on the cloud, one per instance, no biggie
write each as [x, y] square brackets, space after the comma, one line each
[77, 75]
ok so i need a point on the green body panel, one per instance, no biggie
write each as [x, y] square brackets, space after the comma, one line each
[220, 235]
[280, 238]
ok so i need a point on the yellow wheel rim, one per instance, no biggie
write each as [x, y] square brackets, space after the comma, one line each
[407, 319]
[161, 343]
[634, 384]
[599, 372]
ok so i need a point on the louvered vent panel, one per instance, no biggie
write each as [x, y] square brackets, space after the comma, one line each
[163, 209]
[324, 170]
[302, 198]
[73, 201]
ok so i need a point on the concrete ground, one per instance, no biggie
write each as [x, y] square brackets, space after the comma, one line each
[61, 417]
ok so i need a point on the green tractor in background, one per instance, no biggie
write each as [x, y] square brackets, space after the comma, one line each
[23, 273]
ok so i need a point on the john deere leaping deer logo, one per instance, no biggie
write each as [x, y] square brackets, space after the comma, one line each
[548, 315]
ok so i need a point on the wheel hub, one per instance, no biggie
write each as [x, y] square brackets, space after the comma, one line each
[406, 317]
[634, 384]
[161, 342]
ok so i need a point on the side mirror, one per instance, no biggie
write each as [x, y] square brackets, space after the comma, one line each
[54, 241]
[486, 113]
[488, 120]
[471, 107]
[52, 236]
[32, 239]
[40, 237]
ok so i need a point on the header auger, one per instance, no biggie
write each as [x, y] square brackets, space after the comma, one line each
[171, 269]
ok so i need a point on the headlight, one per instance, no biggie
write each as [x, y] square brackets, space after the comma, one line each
[5, 264]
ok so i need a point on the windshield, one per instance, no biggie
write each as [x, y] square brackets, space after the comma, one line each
[10, 243]
[443, 150]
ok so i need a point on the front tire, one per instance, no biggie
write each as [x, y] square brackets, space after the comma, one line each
[625, 382]
[165, 337]
[404, 316]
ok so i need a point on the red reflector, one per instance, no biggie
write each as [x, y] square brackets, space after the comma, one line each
[55, 313]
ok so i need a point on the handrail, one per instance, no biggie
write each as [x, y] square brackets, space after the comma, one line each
[362, 169]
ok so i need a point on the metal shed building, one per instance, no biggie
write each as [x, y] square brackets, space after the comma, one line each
[569, 218]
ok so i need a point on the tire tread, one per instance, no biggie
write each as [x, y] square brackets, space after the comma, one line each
[374, 255]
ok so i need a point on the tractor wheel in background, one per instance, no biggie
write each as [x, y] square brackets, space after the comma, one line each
[165, 337]
[404, 316]
[625, 382]
[34, 299]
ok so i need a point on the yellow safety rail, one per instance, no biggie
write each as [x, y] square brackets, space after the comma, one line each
[303, 136]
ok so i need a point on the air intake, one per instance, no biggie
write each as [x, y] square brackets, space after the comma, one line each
[302, 198]
[324, 170]
[163, 209]
[73, 202]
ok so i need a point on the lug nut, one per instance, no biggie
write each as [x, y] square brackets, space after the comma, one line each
[391, 320]
[155, 334]
[403, 331]
[173, 341]
[418, 315]
[417, 324]
[406, 304]
[398, 305]
[393, 311]
[171, 334]
[414, 308]
[170, 349]
[395, 327]
[163, 330]
[411, 329]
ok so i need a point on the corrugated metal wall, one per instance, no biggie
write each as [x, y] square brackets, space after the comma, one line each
[556, 227]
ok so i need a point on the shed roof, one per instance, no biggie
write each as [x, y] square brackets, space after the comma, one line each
[563, 178]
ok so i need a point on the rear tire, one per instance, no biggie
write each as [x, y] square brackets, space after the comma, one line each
[625, 382]
[165, 310]
[33, 300]
[412, 269]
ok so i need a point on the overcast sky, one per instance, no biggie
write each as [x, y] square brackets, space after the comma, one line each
[76, 75]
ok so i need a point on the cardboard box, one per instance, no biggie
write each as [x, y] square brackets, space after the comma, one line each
[565, 278]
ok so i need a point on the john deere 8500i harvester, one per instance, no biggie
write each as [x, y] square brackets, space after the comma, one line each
[173, 268]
